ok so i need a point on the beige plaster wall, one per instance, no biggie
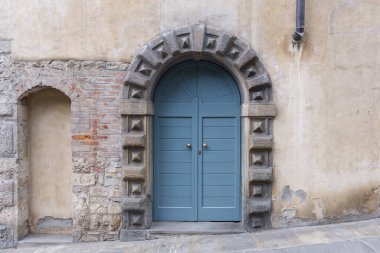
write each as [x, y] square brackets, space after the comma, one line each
[327, 138]
[50, 178]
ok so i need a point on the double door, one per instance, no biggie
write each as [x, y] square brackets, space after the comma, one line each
[197, 145]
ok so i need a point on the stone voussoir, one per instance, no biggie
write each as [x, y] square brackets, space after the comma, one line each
[259, 81]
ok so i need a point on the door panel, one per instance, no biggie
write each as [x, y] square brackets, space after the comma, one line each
[174, 174]
[220, 186]
[196, 103]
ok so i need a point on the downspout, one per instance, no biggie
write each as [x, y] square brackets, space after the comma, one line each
[300, 22]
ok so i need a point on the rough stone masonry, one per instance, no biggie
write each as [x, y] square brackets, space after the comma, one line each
[94, 89]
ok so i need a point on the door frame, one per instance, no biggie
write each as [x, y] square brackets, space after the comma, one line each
[197, 42]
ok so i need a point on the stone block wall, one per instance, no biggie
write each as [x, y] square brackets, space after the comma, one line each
[8, 149]
[94, 89]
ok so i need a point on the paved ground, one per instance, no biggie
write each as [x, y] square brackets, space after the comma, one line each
[355, 237]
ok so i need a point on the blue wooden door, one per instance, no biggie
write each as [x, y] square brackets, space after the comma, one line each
[197, 145]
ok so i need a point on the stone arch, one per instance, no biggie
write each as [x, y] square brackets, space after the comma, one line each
[257, 111]
[71, 91]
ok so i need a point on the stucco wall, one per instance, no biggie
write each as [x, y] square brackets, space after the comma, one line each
[326, 138]
[50, 162]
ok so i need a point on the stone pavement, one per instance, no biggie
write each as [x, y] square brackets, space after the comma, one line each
[354, 237]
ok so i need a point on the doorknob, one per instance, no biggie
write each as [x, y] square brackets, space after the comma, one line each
[205, 145]
[188, 145]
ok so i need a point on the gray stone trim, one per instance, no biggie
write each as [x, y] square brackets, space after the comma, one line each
[134, 140]
[260, 142]
[155, 58]
[261, 174]
[133, 172]
[136, 108]
[259, 205]
[258, 110]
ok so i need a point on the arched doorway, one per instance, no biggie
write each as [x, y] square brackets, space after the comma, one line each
[257, 111]
[197, 170]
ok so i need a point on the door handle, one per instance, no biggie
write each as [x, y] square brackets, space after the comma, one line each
[188, 145]
[204, 145]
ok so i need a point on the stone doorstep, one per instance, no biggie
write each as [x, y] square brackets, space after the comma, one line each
[45, 239]
[195, 228]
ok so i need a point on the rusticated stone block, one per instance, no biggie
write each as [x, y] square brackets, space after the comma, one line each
[259, 95]
[170, 43]
[133, 203]
[133, 172]
[257, 222]
[151, 57]
[136, 156]
[136, 92]
[136, 124]
[259, 81]
[144, 69]
[136, 218]
[246, 56]
[234, 53]
[258, 110]
[260, 174]
[136, 108]
[258, 205]
[225, 42]
[134, 140]
[258, 158]
[136, 187]
[257, 190]
[260, 142]
[259, 126]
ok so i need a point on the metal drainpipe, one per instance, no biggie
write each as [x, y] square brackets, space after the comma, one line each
[300, 21]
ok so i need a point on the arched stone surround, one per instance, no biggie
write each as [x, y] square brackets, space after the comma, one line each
[257, 112]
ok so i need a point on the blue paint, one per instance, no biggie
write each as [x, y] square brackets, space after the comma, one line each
[197, 102]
